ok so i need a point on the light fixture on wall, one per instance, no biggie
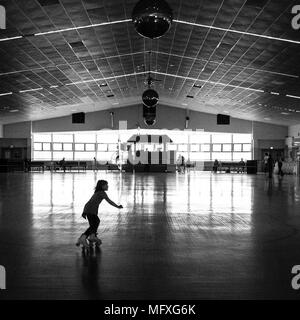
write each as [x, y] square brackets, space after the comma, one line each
[112, 119]
[187, 119]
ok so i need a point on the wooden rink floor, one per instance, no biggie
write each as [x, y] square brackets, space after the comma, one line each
[196, 236]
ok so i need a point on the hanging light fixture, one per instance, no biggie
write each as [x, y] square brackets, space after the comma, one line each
[152, 18]
[149, 115]
[150, 98]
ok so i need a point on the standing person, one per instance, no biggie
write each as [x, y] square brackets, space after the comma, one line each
[62, 164]
[90, 212]
[270, 166]
[26, 165]
[118, 162]
[279, 162]
[178, 163]
[182, 164]
[265, 162]
[95, 164]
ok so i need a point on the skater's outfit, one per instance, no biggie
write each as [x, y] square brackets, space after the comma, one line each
[90, 211]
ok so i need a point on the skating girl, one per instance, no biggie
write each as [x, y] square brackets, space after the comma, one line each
[90, 212]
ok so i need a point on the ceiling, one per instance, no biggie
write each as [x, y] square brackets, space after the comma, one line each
[229, 56]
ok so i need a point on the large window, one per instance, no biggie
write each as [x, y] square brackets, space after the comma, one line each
[62, 138]
[85, 137]
[59, 155]
[200, 138]
[38, 155]
[221, 138]
[104, 145]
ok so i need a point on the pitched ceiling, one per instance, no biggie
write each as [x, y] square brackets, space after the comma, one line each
[220, 56]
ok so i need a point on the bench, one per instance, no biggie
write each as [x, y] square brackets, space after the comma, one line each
[36, 165]
[113, 167]
[190, 165]
[231, 166]
[71, 165]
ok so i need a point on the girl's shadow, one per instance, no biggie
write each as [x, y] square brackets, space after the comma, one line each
[91, 273]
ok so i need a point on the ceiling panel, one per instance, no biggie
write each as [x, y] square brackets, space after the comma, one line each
[221, 46]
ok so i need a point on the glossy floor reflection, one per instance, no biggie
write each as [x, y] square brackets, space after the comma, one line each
[179, 236]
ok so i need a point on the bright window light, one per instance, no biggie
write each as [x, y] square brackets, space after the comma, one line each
[205, 147]
[60, 155]
[217, 147]
[62, 138]
[237, 156]
[84, 156]
[246, 147]
[194, 148]
[107, 142]
[112, 147]
[182, 147]
[102, 147]
[227, 147]
[37, 146]
[57, 146]
[68, 146]
[46, 146]
[79, 147]
[225, 156]
[241, 138]
[104, 157]
[199, 156]
[41, 155]
[85, 138]
[221, 138]
[199, 138]
[42, 137]
[171, 147]
[90, 147]
[237, 147]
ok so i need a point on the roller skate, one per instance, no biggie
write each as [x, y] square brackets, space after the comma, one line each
[94, 240]
[82, 241]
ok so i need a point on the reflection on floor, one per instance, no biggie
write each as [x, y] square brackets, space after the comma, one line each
[179, 236]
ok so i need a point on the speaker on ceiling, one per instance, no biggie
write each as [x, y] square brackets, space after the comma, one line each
[78, 117]
[223, 119]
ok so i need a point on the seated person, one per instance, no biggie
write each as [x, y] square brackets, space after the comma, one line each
[242, 166]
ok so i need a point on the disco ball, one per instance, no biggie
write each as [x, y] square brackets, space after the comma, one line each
[150, 97]
[152, 18]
